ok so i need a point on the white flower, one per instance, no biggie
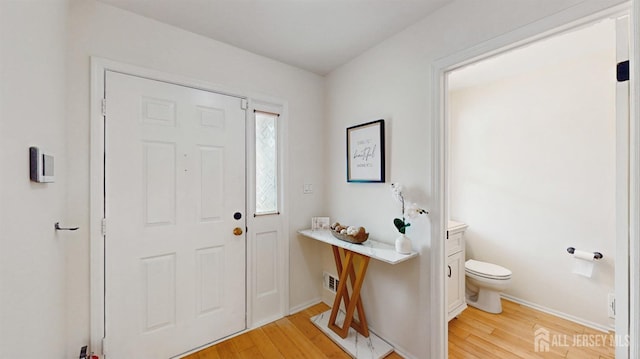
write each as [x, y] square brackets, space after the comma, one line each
[412, 210]
[409, 211]
[396, 190]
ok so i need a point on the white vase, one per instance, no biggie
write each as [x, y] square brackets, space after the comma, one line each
[403, 244]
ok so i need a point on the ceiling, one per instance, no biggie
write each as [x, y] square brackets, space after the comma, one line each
[315, 35]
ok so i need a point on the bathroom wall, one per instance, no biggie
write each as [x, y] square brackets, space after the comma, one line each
[533, 170]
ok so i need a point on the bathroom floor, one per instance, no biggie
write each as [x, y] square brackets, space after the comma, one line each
[522, 332]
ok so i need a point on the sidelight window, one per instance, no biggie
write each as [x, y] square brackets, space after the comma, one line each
[266, 145]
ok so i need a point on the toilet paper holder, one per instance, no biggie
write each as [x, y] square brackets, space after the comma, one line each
[596, 255]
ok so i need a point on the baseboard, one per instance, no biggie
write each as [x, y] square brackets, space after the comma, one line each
[397, 348]
[305, 305]
[400, 351]
[558, 314]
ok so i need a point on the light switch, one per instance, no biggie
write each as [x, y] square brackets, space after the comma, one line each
[307, 188]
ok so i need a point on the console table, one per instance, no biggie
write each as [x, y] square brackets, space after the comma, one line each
[344, 329]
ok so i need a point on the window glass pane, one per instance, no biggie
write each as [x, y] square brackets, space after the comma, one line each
[266, 163]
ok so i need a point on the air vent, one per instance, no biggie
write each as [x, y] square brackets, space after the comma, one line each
[330, 282]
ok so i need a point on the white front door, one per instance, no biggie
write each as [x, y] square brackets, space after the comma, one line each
[174, 193]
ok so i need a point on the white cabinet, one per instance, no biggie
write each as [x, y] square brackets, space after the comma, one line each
[455, 284]
[455, 277]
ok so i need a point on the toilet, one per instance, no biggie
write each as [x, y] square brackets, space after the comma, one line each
[484, 283]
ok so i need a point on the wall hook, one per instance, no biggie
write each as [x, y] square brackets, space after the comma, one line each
[58, 228]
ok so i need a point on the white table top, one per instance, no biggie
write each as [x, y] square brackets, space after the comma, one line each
[370, 248]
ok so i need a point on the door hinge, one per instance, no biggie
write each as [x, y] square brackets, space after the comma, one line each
[611, 310]
[622, 71]
[104, 107]
[244, 103]
[103, 227]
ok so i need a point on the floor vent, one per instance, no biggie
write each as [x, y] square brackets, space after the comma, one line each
[330, 282]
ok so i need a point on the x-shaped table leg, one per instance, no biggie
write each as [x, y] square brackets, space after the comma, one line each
[353, 302]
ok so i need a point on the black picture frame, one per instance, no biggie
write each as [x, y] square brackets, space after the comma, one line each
[365, 152]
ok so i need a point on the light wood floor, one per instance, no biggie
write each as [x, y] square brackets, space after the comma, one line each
[475, 334]
[511, 334]
[290, 337]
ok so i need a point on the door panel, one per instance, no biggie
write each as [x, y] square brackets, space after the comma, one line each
[158, 281]
[174, 177]
[266, 263]
[211, 183]
[159, 183]
[210, 267]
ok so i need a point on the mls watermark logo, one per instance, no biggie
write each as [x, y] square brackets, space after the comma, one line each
[541, 340]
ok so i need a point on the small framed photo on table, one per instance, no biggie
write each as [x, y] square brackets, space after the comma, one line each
[319, 223]
[365, 152]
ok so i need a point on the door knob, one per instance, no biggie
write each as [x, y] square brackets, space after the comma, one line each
[237, 231]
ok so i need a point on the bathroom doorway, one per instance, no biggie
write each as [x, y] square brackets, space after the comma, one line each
[536, 162]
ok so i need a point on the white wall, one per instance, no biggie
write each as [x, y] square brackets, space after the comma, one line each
[32, 112]
[393, 81]
[100, 30]
[533, 172]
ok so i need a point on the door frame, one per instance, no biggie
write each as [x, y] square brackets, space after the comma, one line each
[99, 66]
[558, 23]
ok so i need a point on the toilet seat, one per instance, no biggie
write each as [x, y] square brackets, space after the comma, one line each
[486, 270]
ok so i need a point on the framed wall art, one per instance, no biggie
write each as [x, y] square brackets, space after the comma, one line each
[365, 152]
